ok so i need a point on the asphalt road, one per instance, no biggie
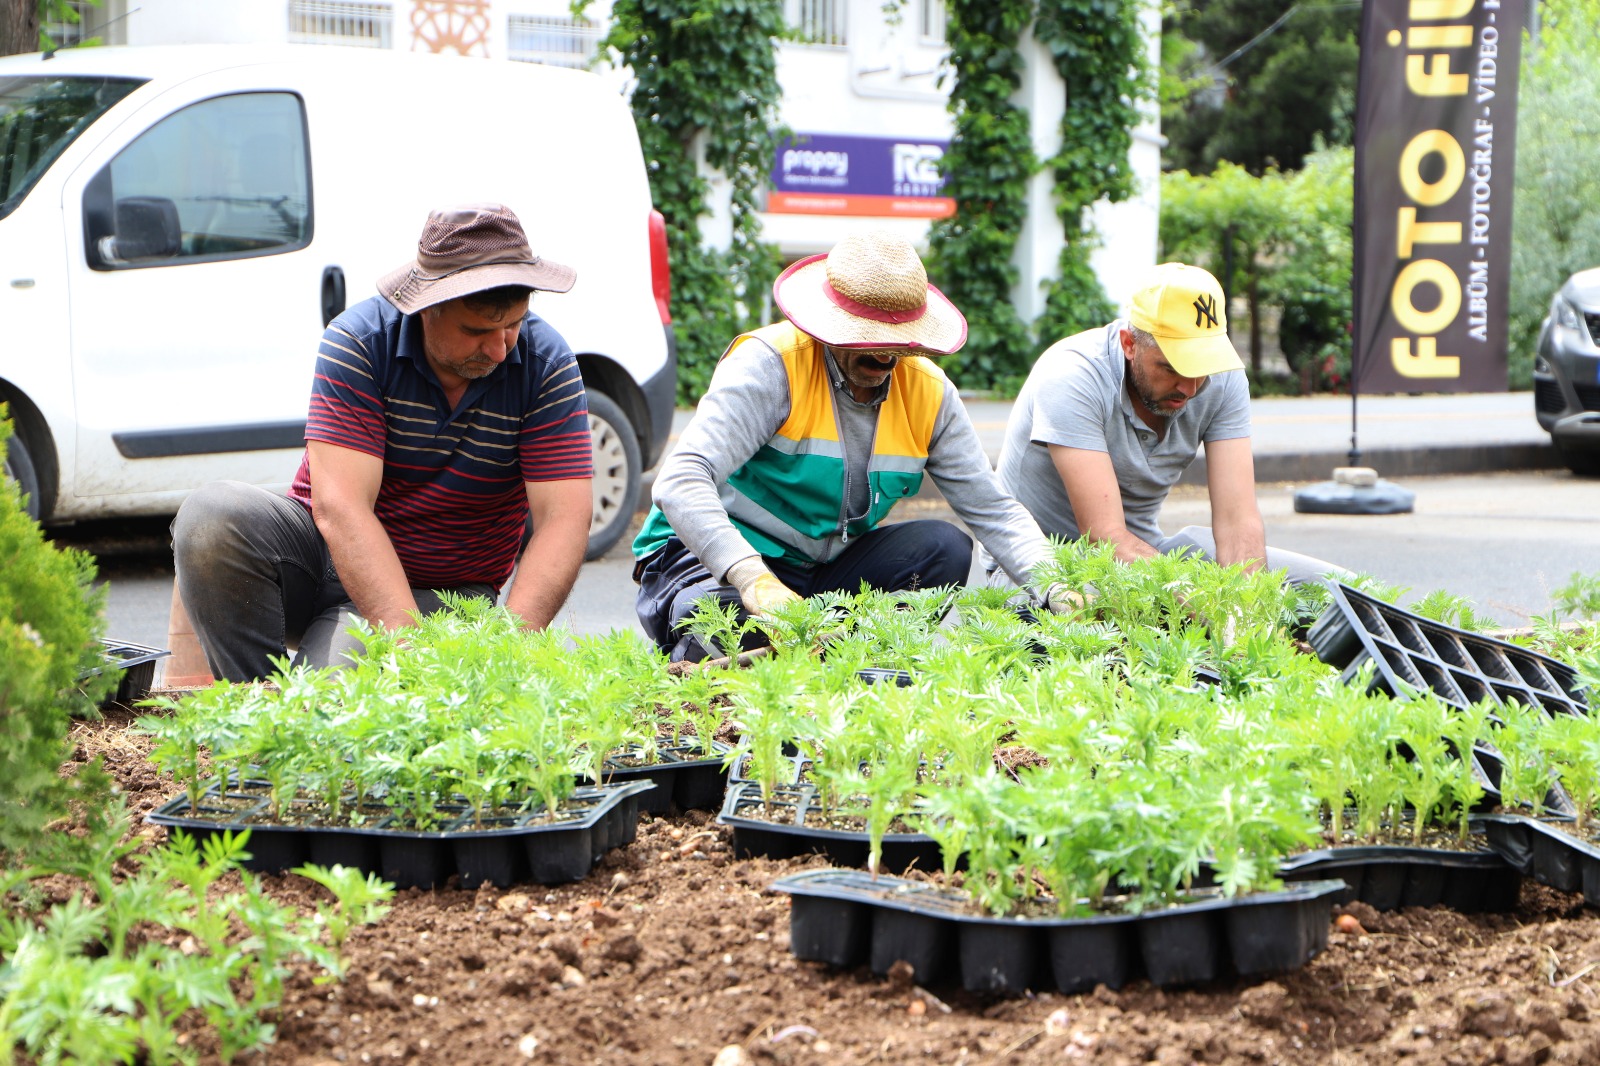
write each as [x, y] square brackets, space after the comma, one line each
[1503, 540]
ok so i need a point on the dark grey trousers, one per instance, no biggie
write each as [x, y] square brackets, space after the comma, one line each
[256, 578]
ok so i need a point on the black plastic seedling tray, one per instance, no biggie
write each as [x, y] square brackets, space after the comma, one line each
[683, 781]
[1388, 877]
[138, 665]
[522, 848]
[882, 675]
[1461, 668]
[847, 918]
[781, 833]
[1546, 852]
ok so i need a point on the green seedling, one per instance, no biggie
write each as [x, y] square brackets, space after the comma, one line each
[1571, 745]
[1525, 772]
[358, 899]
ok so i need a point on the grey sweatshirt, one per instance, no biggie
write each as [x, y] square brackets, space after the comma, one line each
[748, 401]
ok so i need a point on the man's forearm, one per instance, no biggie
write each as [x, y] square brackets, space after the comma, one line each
[1129, 547]
[368, 568]
[546, 573]
[1241, 542]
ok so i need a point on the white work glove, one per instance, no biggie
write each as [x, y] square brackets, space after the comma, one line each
[759, 588]
[1060, 599]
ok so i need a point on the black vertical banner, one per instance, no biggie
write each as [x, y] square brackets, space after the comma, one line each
[1434, 154]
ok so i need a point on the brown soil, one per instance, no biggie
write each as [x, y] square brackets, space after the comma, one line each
[672, 950]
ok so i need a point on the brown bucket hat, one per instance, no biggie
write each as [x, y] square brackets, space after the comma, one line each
[468, 249]
[870, 291]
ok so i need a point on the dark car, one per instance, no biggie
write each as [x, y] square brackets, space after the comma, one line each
[1566, 373]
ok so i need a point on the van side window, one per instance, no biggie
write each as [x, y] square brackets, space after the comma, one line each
[235, 170]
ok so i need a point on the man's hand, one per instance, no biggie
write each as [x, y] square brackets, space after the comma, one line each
[759, 588]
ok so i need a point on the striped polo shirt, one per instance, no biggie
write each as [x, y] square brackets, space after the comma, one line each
[453, 500]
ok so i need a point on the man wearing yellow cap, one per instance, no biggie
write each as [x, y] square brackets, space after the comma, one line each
[1109, 419]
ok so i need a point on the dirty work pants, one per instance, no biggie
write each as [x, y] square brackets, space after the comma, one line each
[906, 555]
[256, 577]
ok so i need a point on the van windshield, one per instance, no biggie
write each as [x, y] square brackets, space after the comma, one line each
[39, 117]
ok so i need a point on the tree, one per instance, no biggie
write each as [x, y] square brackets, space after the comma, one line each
[19, 26]
[1259, 82]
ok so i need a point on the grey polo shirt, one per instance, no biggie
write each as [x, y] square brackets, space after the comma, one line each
[1074, 397]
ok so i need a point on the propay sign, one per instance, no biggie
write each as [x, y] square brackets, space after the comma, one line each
[1435, 147]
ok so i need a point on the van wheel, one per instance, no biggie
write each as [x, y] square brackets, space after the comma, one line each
[616, 473]
[19, 468]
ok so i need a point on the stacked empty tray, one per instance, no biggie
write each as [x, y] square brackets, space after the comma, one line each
[1412, 652]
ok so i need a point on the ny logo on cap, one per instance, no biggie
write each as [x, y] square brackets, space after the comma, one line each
[1205, 306]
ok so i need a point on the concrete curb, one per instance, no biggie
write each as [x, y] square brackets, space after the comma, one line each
[1429, 461]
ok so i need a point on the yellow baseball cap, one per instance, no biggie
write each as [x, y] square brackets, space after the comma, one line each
[1181, 307]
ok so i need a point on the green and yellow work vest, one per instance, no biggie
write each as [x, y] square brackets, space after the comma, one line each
[788, 500]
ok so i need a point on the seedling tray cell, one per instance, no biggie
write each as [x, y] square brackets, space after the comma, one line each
[504, 851]
[1182, 947]
[1002, 960]
[684, 780]
[847, 917]
[1388, 877]
[784, 834]
[1410, 651]
[1547, 852]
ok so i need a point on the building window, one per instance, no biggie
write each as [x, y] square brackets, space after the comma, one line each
[817, 21]
[931, 25]
[343, 22]
[560, 42]
[74, 28]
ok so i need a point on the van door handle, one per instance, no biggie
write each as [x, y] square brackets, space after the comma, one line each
[332, 294]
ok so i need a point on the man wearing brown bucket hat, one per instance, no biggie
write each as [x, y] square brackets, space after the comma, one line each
[1109, 419]
[445, 418]
[811, 430]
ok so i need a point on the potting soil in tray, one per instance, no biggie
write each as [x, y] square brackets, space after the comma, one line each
[1461, 668]
[1388, 877]
[1548, 851]
[847, 918]
[781, 832]
[506, 851]
[684, 779]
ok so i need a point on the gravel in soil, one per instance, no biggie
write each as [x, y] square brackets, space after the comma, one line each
[673, 952]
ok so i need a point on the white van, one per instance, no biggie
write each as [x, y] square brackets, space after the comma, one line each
[177, 225]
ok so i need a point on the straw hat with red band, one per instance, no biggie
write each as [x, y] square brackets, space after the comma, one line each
[468, 249]
[870, 291]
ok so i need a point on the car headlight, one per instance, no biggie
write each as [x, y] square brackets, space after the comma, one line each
[1565, 314]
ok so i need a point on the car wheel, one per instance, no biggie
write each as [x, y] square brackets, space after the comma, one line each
[616, 473]
[1582, 462]
[19, 468]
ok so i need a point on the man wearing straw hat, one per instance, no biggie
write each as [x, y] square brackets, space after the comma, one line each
[444, 419]
[1109, 419]
[811, 430]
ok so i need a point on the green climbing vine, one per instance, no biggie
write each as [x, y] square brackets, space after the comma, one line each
[987, 168]
[1097, 47]
[706, 81]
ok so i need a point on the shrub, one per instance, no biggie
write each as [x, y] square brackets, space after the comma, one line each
[50, 622]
